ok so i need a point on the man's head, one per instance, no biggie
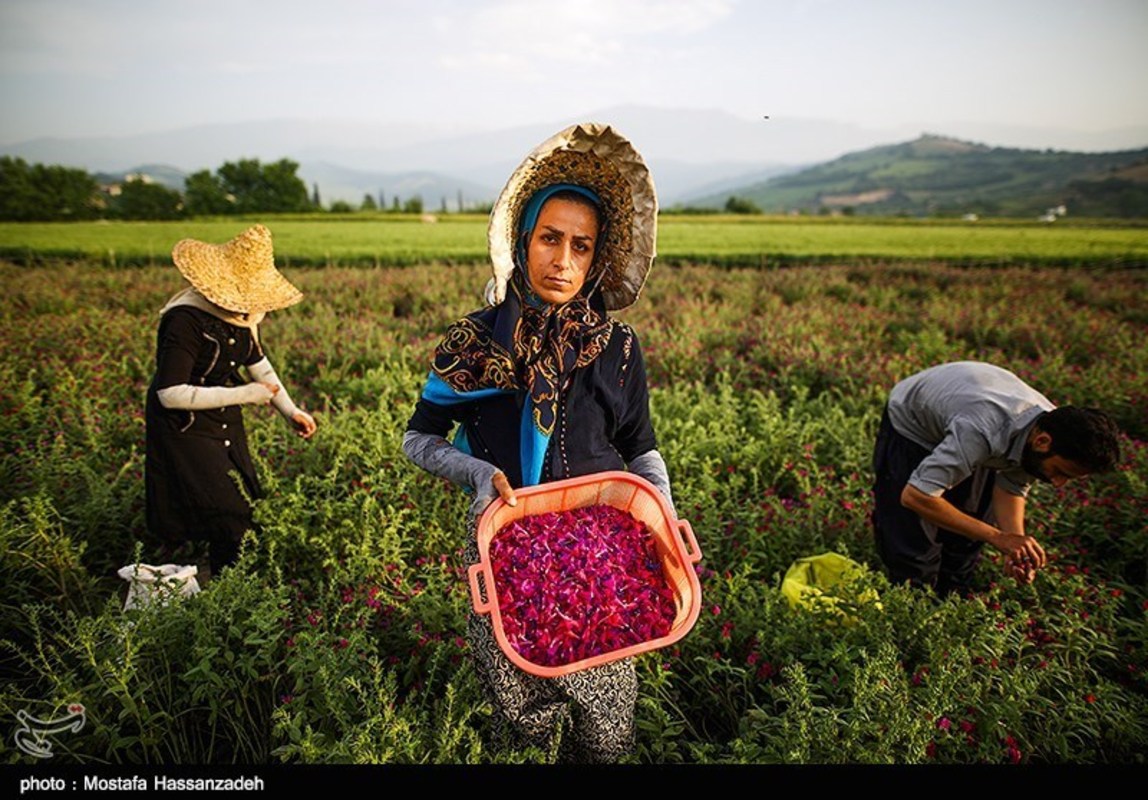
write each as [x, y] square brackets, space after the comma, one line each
[1070, 442]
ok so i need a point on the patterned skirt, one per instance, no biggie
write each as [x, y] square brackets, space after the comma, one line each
[596, 706]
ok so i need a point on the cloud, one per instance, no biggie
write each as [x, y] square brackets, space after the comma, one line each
[54, 39]
[526, 33]
[490, 61]
[527, 19]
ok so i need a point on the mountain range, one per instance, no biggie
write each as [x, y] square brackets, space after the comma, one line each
[939, 174]
[697, 157]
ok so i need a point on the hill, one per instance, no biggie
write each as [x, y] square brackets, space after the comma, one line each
[163, 174]
[693, 153]
[941, 175]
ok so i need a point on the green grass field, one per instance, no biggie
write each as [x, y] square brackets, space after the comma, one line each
[340, 638]
[724, 240]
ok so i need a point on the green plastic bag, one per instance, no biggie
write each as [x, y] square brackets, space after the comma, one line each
[809, 582]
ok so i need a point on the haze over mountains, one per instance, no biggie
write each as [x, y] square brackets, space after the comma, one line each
[693, 153]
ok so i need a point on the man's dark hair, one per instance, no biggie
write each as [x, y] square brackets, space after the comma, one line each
[1085, 436]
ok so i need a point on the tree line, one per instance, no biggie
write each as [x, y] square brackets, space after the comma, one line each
[54, 193]
[51, 193]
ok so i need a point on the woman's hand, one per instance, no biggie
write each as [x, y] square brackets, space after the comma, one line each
[304, 424]
[271, 387]
[502, 485]
[484, 496]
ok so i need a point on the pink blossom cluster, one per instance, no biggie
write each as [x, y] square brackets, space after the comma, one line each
[576, 584]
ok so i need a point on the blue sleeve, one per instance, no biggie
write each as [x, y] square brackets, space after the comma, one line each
[438, 409]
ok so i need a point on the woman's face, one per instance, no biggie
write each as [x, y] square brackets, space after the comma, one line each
[561, 250]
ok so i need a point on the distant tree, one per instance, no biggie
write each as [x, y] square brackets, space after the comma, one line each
[442, 207]
[368, 203]
[46, 192]
[19, 196]
[243, 180]
[382, 199]
[246, 186]
[395, 203]
[414, 205]
[741, 205]
[72, 193]
[285, 190]
[678, 208]
[341, 207]
[139, 199]
[259, 188]
[315, 200]
[203, 194]
[18, 200]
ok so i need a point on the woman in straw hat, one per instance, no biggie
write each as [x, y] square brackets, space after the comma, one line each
[543, 385]
[195, 434]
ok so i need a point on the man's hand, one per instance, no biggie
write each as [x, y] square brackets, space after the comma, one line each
[1022, 572]
[945, 515]
[1021, 549]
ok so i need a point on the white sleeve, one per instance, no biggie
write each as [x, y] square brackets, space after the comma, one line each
[262, 371]
[199, 398]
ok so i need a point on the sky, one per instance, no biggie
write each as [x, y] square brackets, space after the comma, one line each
[72, 68]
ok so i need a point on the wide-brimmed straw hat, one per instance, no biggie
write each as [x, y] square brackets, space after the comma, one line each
[597, 157]
[239, 276]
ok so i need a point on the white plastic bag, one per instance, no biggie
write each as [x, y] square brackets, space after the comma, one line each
[158, 584]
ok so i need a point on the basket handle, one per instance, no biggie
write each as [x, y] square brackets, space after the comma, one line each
[473, 573]
[693, 552]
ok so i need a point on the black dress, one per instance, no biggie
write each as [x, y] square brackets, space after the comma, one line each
[603, 424]
[190, 491]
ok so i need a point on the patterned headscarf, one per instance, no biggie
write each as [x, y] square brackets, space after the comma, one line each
[523, 345]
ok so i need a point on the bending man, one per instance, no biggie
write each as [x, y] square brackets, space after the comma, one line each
[959, 446]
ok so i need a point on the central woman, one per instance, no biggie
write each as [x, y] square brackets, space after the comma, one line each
[543, 385]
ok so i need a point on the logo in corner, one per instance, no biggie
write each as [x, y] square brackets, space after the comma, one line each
[34, 734]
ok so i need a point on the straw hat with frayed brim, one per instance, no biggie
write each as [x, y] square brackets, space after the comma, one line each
[597, 157]
[239, 276]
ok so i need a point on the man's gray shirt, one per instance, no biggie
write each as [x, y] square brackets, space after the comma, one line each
[971, 416]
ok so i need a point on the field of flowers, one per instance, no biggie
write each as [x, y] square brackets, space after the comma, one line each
[338, 638]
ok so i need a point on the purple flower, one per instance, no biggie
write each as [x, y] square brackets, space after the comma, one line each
[576, 584]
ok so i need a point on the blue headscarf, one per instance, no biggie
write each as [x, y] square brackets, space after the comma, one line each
[523, 345]
[533, 208]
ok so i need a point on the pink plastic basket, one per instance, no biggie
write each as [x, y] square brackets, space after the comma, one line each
[622, 490]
